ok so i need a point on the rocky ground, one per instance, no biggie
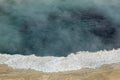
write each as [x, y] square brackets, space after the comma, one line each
[105, 72]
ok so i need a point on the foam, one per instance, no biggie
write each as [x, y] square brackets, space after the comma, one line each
[56, 64]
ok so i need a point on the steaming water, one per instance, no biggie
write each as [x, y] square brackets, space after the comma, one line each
[58, 28]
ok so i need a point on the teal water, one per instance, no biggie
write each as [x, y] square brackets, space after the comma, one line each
[58, 27]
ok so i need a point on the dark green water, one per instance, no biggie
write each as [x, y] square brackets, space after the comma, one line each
[57, 28]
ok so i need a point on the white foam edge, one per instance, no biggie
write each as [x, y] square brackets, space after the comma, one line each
[58, 64]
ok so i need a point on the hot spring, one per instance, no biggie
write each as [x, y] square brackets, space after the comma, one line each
[59, 27]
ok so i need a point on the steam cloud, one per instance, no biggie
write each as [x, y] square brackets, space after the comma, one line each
[58, 27]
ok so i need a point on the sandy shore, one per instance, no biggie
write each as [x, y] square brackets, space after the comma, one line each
[105, 72]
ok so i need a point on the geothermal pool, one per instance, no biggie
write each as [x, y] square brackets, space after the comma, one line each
[63, 31]
[58, 28]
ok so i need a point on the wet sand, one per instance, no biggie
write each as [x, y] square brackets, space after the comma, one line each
[105, 72]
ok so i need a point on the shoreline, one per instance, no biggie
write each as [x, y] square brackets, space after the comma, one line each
[56, 64]
[105, 72]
